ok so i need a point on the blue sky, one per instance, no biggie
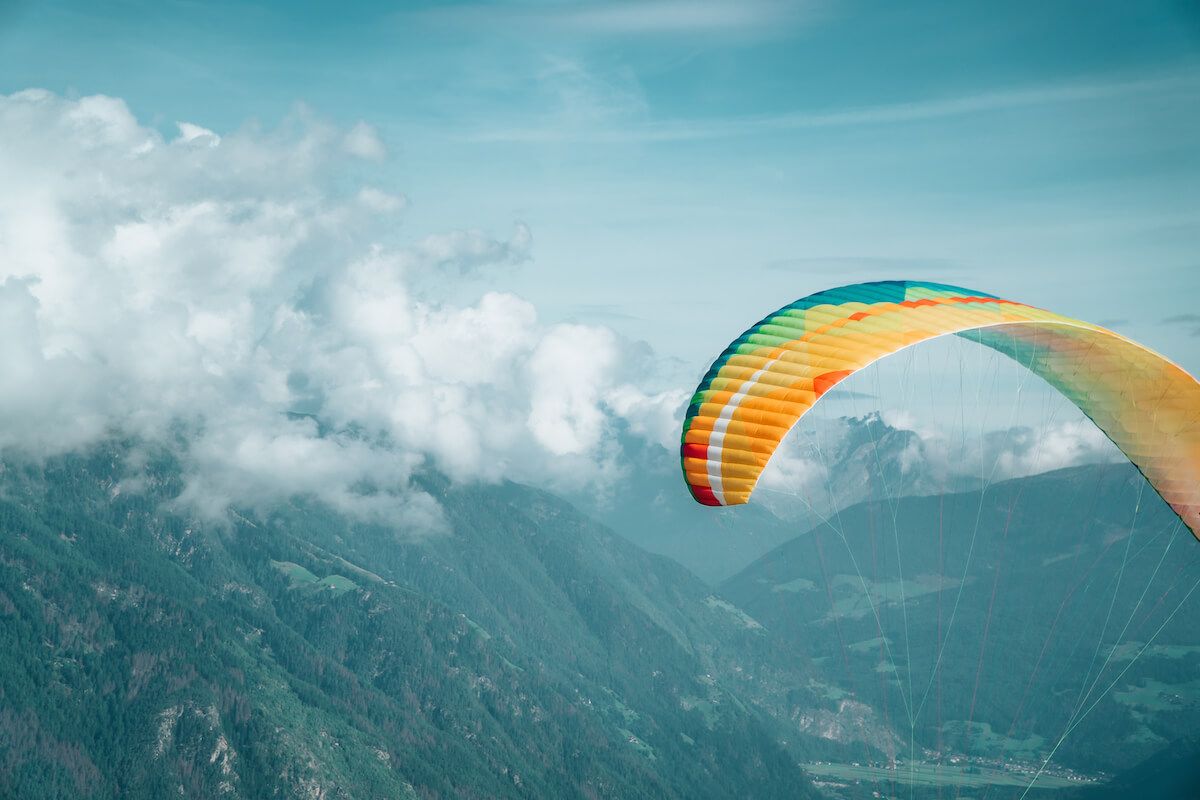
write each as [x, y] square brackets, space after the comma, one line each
[686, 165]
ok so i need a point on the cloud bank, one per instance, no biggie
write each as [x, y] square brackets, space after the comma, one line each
[830, 464]
[252, 301]
[249, 300]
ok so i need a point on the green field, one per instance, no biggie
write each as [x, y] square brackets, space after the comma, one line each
[869, 645]
[1155, 695]
[299, 576]
[1127, 651]
[795, 585]
[853, 603]
[982, 739]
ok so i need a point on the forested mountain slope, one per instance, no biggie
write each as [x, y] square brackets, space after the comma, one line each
[1020, 596]
[528, 652]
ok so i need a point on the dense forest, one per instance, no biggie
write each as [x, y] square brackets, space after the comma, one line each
[295, 653]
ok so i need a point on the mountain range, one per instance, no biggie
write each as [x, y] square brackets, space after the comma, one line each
[528, 652]
[531, 650]
[866, 457]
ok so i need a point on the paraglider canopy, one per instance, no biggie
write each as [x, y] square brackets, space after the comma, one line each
[772, 374]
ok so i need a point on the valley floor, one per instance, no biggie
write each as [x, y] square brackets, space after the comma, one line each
[832, 777]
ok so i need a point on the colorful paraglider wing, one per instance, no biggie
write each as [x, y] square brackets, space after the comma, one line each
[773, 373]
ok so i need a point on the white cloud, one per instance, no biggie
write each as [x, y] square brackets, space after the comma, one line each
[150, 286]
[468, 250]
[940, 455]
[363, 141]
[194, 133]
[1025, 451]
[828, 464]
[655, 416]
[262, 460]
[796, 473]
[567, 371]
[381, 201]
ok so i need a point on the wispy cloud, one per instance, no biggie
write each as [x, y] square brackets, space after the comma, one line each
[684, 16]
[635, 17]
[1190, 320]
[578, 97]
[601, 311]
[1181, 82]
[859, 266]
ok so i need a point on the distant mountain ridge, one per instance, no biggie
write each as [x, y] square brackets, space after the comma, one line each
[868, 458]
